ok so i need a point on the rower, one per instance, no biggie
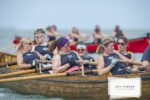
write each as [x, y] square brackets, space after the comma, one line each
[108, 59]
[41, 45]
[82, 51]
[26, 58]
[117, 32]
[64, 59]
[98, 35]
[52, 33]
[122, 48]
[146, 60]
[75, 36]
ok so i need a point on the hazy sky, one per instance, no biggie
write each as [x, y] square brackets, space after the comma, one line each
[28, 14]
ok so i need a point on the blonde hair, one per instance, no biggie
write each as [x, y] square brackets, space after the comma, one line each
[105, 43]
[23, 41]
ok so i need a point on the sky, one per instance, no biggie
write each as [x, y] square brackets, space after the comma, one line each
[85, 14]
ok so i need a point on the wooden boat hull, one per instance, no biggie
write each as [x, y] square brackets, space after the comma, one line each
[4, 57]
[77, 87]
[73, 87]
[135, 45]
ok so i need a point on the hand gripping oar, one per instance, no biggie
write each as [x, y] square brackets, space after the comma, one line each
[132, 62]
[46, 76]
[24, 72]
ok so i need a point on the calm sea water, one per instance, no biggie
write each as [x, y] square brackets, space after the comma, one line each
[7, 36]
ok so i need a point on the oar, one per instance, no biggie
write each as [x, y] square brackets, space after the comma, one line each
[133, 62]
[8, 64]
[24, 72]
[94, 63]
[15, 63]
[90, 62]
[123, 61]
[45, 76]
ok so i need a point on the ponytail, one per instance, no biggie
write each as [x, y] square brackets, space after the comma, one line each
[105, 43]
[100, 49]
[19, 47]
[52, 47]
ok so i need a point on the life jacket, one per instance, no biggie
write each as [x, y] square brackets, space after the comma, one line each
[119, 68]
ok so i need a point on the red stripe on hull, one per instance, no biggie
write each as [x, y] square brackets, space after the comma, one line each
[135, 46]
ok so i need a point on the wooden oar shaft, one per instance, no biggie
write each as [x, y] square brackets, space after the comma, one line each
[7, 64]
[123, 61]
[43, 61]
[90, 62]
[133, 62]
[44, 76]
[23, 72]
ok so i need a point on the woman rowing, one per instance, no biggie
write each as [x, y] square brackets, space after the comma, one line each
[117, 32]
[108, 59]
[64, 59]
[146, 60]
[41, 45]
[75, 36]
[122, 48]
[26, 58]
[82, 51]
[98, 35]
[52, 33]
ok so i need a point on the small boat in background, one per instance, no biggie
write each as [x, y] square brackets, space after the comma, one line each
[137, 45]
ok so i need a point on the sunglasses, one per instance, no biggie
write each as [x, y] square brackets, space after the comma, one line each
[81, 50]
[38, 37]
[122, 44]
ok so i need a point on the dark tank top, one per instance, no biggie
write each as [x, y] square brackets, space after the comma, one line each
[129, 56]
[42, 49]
[65, 58]
[119, 68]
[88, 66]
[51, 38]
[29, 57]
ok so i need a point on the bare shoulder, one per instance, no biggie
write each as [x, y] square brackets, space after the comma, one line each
[56, 56]
[19, 54]
[100, 57]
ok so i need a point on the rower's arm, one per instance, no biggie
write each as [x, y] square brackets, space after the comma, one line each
[40, 56]
[56, 63]
[20, 61]
[100, 66]
[80, 59]
[146, 66]
[122, 57]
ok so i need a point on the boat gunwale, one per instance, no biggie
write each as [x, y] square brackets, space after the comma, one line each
[94, 81]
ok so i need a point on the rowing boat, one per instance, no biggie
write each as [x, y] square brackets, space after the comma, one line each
[137, 45]
[72, 87]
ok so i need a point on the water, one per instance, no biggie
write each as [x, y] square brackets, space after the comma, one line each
[6, 94]
[7, 36]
